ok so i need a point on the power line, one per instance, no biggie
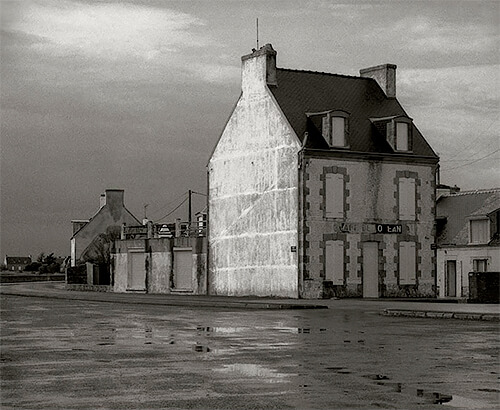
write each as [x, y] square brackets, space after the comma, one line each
[169, 204]
[473, 162]
[173, 210]
[474, 140]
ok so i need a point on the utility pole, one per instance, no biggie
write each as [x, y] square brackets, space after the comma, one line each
[189, 208]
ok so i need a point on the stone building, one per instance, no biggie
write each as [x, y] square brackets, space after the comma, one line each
[16, 263]
[468, 228]
[89, 234]
[320, 185]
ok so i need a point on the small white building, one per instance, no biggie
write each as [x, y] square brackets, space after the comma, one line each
[467, 239]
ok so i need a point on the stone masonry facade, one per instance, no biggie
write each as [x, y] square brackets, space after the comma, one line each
[371, 197]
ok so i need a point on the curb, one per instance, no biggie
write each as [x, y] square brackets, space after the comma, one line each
[230, 304]
[489, 317]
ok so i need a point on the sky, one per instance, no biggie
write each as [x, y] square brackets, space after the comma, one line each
[134, 95]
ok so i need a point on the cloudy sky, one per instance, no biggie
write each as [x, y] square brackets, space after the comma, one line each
[134, 94]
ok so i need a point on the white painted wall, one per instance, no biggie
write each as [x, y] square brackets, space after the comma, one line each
[464, 258]
[253, 196]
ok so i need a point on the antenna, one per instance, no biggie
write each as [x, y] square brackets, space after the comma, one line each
[257, 33]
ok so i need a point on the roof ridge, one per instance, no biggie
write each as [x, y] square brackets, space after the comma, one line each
[322, 73]
[475, 191]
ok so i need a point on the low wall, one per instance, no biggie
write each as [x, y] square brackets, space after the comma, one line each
[484, 287]
[92, 288]
[76, 275]
[149, 265]
[10, 278]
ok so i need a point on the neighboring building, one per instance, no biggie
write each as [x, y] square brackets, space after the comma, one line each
[320, 185]
[468, 226]
[16, 263]
[89, 235]
[161, 259]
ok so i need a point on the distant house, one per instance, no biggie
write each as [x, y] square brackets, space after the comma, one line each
[468, 227]
[89, 235]
[16, 263]
[320, 185]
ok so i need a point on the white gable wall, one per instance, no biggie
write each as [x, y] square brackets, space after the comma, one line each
[253, 197]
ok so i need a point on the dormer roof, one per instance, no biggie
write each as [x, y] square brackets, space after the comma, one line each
[301, 92]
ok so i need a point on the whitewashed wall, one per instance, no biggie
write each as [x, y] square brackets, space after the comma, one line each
[253, 196]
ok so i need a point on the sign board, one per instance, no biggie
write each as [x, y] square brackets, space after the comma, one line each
[389, 228]
[294, 249]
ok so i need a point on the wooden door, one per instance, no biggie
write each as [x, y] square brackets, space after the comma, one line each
[136, 271]
[451, 278]
[370, 270]
[183, 269]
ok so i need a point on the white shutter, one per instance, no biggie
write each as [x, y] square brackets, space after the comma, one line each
[479, 231]
[407, 199]
[338, 131]
[334, 262]
[334, 193]
[407, 263]
[401, 136]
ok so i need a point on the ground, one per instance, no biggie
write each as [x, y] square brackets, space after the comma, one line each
[79, 354]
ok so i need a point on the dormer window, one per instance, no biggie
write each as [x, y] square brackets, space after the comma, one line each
[397, 130]
[402, 136]
[335, 126]
[399, 134]
[479, 231]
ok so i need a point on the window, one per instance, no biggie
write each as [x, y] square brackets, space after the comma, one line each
[334, 195]
[479, 231]
[480, 265]
[402, 134]
[407, 263]
[407, 199]
[335, 128]
[334, 262]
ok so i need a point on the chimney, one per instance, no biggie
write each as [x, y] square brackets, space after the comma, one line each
[258, 70]
[384, 75]
[114, 197]
[102, 200]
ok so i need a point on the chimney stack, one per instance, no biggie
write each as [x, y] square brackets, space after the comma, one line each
[258, 69]
[102, 200]
[384, 75]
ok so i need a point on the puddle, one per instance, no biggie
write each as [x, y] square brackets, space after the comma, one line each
[255, 370]
[201, 349]
[218, 329]
[433, 397]
[465, 403]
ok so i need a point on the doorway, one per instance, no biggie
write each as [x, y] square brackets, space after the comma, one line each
[137, 271]
[370, 270]
[183, 269]
[451, 279]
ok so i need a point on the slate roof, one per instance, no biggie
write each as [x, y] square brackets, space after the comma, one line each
[456, 208]
[300, 92]
[17, 260]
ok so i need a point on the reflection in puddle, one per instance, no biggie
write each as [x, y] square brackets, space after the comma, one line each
[202, 349]
[431, 397]
[256, 370]
[217, 329]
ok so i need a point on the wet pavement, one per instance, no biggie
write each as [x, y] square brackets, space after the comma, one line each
[63, 353]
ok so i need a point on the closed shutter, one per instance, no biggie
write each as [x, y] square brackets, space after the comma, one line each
[407, 263]
[401, 136]
[334, 196]
[338, 131]
[479, 231]
[334, 262]
[407, 199]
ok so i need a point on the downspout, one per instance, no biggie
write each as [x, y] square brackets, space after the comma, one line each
[301, 219]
